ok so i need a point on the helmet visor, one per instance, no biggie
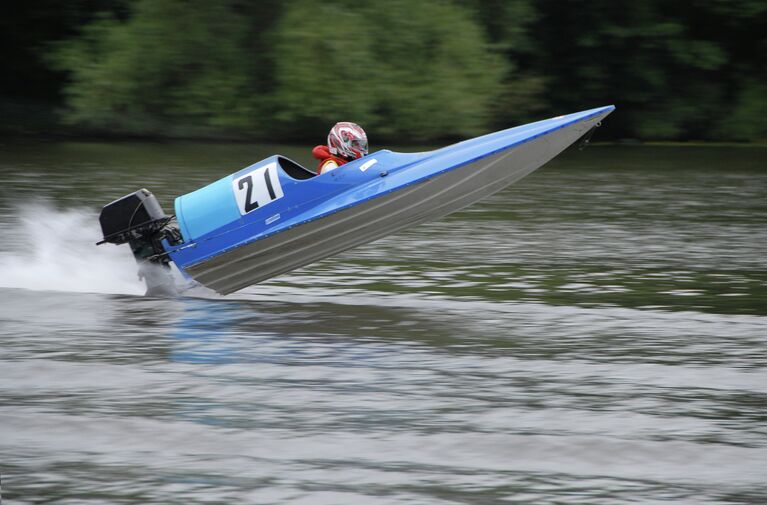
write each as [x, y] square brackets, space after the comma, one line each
[359, 145]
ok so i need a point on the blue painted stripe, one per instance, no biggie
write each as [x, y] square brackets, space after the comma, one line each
[206, 209]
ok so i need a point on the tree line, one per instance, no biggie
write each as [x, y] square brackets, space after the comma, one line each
[407, 71]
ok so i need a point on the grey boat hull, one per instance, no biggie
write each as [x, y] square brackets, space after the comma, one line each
[427, 200]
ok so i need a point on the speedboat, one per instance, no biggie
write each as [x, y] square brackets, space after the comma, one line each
[276, 216]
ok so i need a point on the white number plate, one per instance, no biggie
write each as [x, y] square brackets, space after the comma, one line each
[257, 188]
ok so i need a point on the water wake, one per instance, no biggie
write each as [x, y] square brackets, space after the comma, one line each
[45, 248]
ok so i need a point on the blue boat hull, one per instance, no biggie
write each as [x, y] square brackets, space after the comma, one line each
[273, 217]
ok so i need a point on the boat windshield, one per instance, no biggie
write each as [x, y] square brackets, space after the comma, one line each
[295, 170]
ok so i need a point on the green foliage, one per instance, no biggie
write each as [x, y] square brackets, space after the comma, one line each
[320, 69]
[418, 71]
[672, 68]
[174, 67]
[406, 71]
[747, 119]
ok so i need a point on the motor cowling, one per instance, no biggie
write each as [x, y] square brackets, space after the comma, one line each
[138, 220]
[131, 217]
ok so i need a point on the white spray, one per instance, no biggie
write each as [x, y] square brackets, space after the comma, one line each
[45, 248]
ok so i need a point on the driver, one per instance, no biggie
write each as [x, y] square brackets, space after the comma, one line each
[346, 142]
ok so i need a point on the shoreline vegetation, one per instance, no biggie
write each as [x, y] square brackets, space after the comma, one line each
[433, 71]
[62, 137]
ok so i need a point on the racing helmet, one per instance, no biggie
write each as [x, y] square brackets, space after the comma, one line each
[348, 140]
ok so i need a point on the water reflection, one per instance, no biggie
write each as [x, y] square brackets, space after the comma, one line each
[593, 335]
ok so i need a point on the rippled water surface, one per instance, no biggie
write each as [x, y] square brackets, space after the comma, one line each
[595, 334]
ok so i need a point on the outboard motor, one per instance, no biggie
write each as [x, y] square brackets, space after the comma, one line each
[138, 220]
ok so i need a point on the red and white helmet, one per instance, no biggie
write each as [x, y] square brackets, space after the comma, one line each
[348, 140]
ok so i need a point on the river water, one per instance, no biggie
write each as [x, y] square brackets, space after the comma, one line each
[595, 334]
